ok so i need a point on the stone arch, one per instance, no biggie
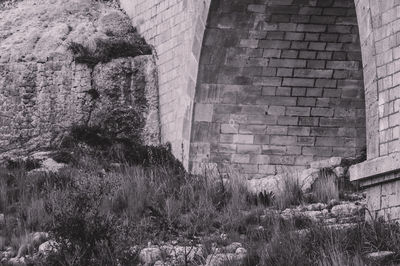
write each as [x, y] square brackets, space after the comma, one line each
[176, 29]
[280, 84]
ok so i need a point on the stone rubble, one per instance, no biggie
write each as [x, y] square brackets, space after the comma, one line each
[306, 178]
[342, 213]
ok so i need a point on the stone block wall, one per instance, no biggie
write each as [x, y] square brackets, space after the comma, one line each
[379, 22]
[280, 84]
[175, 28]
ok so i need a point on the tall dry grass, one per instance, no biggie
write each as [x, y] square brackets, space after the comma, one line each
[104, 212]
[289, 193]
[326, 186]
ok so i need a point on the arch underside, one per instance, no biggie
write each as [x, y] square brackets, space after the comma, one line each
[280, 84]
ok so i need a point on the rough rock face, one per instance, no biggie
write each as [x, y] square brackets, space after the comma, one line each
[44, 90]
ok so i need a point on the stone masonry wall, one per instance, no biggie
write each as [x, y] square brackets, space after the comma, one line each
[379, 22]
[280, 84]
[175, 28]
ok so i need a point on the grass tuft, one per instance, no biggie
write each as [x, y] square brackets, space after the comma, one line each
[109, 49]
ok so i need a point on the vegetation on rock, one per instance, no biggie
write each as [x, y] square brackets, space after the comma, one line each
[109, 49]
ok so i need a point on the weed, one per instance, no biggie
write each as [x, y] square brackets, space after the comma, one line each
[289, 193]
[326, 186]
[101, 145]
[109, 49]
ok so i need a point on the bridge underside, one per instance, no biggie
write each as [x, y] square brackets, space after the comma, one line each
[279, 85]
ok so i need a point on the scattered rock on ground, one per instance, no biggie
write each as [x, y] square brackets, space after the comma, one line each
[18, 261]
[308, 178]
[379, 256]
[347, 209]
[6, 255]
[182, 254]
[327, 163]
[227, 258]
[48, 247]
[148, 256]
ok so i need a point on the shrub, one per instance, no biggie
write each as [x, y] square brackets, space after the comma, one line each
[78, 224]
[101, 145]
[109, 49]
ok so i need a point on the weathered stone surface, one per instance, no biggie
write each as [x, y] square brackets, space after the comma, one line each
[149, 256]
[268, 184]
[48, 247]
[17, 261]
[375, 167]
[43, 90]
[380, 60]
[328, 163]
[7, 254]
[32, 241]
[308, 178]
[379, 256]
[347, 209]
[181, 254]
[280, 89]
[221, 259]
[305, 178]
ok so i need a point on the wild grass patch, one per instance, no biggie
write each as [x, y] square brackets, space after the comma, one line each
[100, 213]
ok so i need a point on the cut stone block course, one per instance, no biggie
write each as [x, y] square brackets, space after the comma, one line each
[284, 63]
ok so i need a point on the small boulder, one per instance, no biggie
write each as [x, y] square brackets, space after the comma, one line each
[347, 209]
[17, 261]
[226, 258]
[49, 166]
[116, 24]
[48, 247]
[341, 227]
[241, 252]
[39, 238]
[180, 254]
[2, 220]
[380, 256]
[9, 253]
[148, 256]
[308, 178]
[315, 207]
[231, 248]
[314, 215]
[328, 163]
[267, 184]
